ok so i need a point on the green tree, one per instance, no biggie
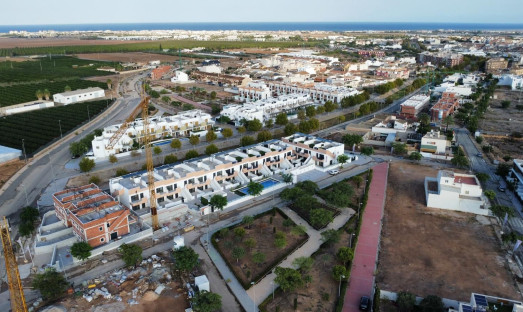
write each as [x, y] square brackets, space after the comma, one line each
[258, 258]
[310, 111]
[320, 110]
[175, 143]
[448, 120]
[113, 159]
[490, 194]
[67, 88]
[367, 150]
[86, 164]
[227, 133]
[352, 139]
[250, 243]
[303, 264]
[157, 150]
[342, 159]
[269, 123]
[26, 229]
[191, 154]
[320, 216]
[345, 254]
[288, 279]
[211, 149]
[121, 172]
[357, 179]
[95, 179]
[482, 177]
[505, 104]
[301, 114]
[205, 301]
[51, 284]
[247, 140]
[242, 130]
[109, 83]
[166, 99]
[194, 139]
[185, 259]
[78, 148]
[290, 129]
[131, 254]
[280, 242]
[264, 135]
[287, 178]
[330, 236]
[281, 119]
[239, 232]
[170, 159]
[298, 230]
[39, 94]
[405, 301]
[460, 160]
[339, 272]
[211, 136]
[399, 148]
[500, 211]
[213, 95]
[248, 221]
[218, 202]
[81, 250]
[47, 94]
[254, 125]
[254, 188]
[503, 169]
[237, 253]
[415, 156]
[330, 106]
[29, 214]
[432, 303]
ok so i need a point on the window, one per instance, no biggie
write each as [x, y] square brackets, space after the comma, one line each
[101, 228]
[102, 239]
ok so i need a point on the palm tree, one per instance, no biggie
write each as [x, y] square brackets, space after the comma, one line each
[109, 83]
[448, 120]
[47, 94]
[67, 89]
[39, 94]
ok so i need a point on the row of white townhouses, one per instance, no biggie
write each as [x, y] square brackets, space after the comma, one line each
[180, 125]
[318, 92]
[265, 109]
[176, 184]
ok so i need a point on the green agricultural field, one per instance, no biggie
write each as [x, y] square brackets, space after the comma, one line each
[54, 68]
[40, 127]
[155, 46]
[22, 93]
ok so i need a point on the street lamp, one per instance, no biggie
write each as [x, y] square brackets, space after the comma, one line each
[350, 240]
[339, 286]
[272, 283]
[60, 125]
[23, 148]
[254, 299]
[88, 115]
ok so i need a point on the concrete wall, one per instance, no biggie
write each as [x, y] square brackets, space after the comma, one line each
[25, 107]
[125, 240]
[389, 295]
[49, 248]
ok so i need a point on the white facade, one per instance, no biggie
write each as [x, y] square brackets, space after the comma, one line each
[453, 191]
[79, 95]
[180, 77]
[253, 91]
[461, 90]
[515, 82]
[213, 69]
[25, 107]
[318, 92]
[179, 183]
[265, 109]
[174, 126]
[516, 176]
[434, 142]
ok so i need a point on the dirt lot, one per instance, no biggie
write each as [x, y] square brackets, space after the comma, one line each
[433, 252]
[53, 42]
[8, 169]
[129, 57]
[503, 121]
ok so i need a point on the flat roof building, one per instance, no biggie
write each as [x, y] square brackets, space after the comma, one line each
[413, 105]
[318, 92]
[434, 142]
[79, 95]
[446, 106]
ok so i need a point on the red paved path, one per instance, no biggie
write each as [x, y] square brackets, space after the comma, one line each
[196, 104]
[366, 253]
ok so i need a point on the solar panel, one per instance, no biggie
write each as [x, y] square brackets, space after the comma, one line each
[466, 308]
[480, 300]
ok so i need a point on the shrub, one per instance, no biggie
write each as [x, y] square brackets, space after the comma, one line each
[121, 172]
[191, 154]
[95, 179]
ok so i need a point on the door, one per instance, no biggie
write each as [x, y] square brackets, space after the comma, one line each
[114, 235]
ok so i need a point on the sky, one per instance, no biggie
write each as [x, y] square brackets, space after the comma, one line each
[39, 12]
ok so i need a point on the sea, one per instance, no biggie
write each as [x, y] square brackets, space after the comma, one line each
[285, 26]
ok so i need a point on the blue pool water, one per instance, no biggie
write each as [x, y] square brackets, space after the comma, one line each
[266, 183]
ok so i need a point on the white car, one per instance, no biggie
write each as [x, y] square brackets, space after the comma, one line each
[89, 154]
[334, 172]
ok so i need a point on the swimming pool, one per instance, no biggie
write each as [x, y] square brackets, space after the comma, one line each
[266, 184]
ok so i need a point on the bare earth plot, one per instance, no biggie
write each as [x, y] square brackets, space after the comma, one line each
[433, 252]
[53, 42]
[128, 57]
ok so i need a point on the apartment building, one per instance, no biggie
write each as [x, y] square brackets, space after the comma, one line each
[455, 191]
[95, 216]
[219, 78]
[434, 142]
[496, 65]
[392, 72]
[440, 59]
[253, 91]
[371, 53]
[158, 72]
[180, 125]
[318, 92]
[179, 183]
[446, 106]
[265, 109]
[79, 95]
[516, 176]
[413, 105]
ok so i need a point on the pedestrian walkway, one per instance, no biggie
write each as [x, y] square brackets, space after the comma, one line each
[361, 280]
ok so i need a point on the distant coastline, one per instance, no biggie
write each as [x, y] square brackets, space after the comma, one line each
[278, 26]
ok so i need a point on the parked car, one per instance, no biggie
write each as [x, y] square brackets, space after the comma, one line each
[501, 188]
[75, 156]
[89, 154]
[479, 155]
[364, 303]
[334, 172]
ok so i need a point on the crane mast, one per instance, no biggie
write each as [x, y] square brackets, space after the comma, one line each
[13, 276]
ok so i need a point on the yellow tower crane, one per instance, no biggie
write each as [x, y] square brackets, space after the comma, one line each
[13, 276]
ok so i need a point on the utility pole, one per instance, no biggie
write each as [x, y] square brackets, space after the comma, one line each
[23, 148]
[60, 125]
[88, 115]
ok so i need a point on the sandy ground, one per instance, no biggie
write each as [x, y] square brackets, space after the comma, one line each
[53, 42]
[433, 252]
[8, 169]
[504, 121]
[128, 57]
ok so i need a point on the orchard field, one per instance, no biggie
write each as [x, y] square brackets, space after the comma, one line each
[40, 127]
[22, 93]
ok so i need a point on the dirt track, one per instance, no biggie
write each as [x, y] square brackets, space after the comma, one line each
[54, 42]
[433, 252]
